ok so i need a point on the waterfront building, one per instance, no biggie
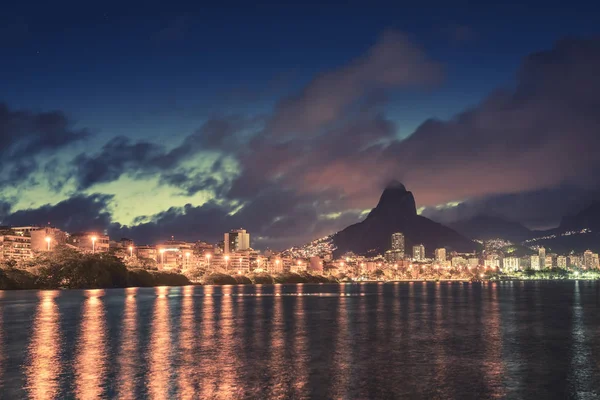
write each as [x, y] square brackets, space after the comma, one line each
[146, 252]
[458, 261]
[561, 262]
[236, 240]
[511, 264]
[535, 263]
[14, 246]
[548, 262]
[588, 259]
[90, 242]
[492, 262]
[473, 262]
[440, 255]
[419, 252]
[542, 255]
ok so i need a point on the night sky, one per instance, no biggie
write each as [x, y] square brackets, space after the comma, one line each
[288, 120]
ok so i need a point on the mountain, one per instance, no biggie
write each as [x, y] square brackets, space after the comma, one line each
[587, 218]
[397, 212]
[486, 227]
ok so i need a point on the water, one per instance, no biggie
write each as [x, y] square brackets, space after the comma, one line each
[394, 340]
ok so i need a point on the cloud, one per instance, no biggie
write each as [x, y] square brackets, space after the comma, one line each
[79, 213]
[324, 154]
[535, 136]
[26, 134]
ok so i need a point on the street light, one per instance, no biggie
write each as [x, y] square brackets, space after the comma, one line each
[94, 238]
[48, 239]
[130, 251]
[208, 260]
[162, 257]
[277, 265]
[187, 257]
[226, 262]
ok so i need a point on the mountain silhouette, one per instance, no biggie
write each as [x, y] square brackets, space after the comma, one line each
[486, 227]
[397, 212]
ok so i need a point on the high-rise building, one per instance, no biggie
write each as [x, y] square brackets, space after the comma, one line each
[236, 240]
[510, 264]
[561, 262]
[419, 252]
[535, 262]
[595, 261]
[542, 255]
[440, 255]
[398, 242]
[548, 263]
[588, 259]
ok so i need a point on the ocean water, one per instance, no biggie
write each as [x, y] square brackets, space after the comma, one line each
[347, 341]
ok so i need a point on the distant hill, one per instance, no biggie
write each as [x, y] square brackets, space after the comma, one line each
[396, 212]
[588, 218]
[488, 227]
[578, 232]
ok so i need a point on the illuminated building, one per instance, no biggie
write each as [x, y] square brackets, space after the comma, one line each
[548, 262]
[510, 264]
[236, 240]
[440, 255]
[419, 252]
[91, 242]
[561, 262]
[535, 262]
[492, 262]
[588, 259]
[542, 255]
[14, 246]
[458, 262]
[398, 242]
[473, 261]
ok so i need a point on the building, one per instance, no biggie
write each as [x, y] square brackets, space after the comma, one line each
[419, 252]
[14, 246]
[146, 252]
[46, 239]
[236, 240]
[492, 263]
[548, 262]
[92, 242]
[398, 242]
[511, 264]
[175, 254]
[458, 261]
[440, 255]
[535, 262]
[542, 255]
[595, 261]
[588, 259]
[561, 262]
[473, 262]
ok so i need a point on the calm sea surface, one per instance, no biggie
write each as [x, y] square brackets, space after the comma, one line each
[357, 341]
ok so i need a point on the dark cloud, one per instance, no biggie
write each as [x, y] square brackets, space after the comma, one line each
[79, 213]
[25, 134]
[536, 136]
[117, 157]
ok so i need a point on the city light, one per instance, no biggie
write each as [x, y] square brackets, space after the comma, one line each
[130, 251]
[94, 243]
[48, 240]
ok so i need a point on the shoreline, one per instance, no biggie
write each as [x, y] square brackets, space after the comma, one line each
[313, 283]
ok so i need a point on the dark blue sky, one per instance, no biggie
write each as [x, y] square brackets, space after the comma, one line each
[155, 74]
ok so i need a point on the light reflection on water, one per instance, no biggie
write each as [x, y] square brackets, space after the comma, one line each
[90, 363]
[433, 340]
[43, 367]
